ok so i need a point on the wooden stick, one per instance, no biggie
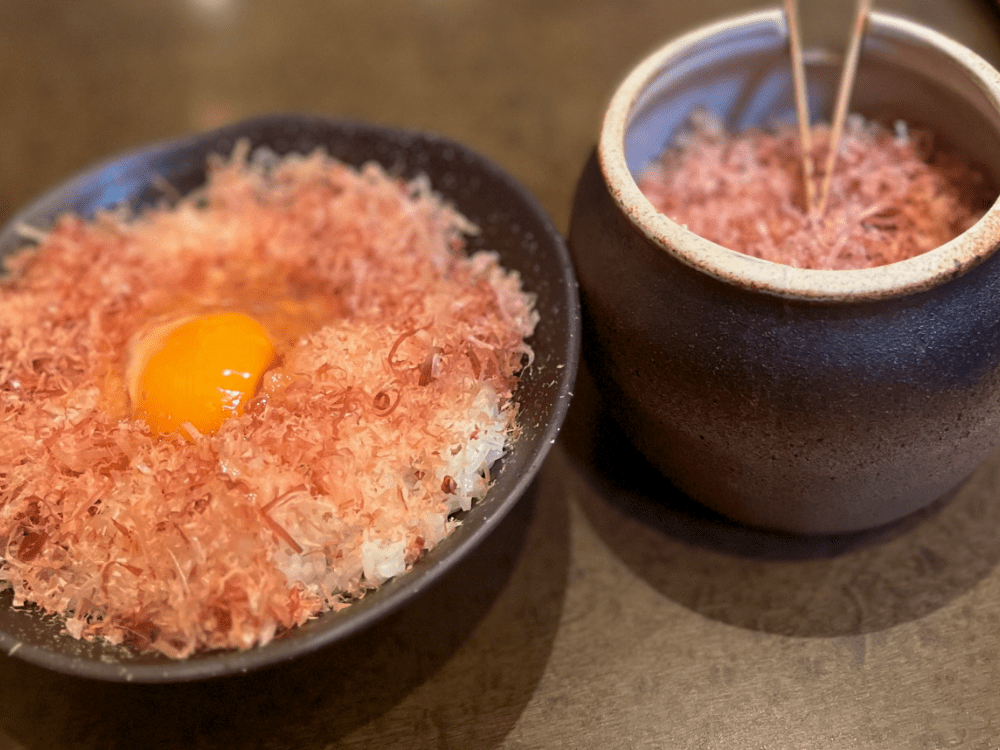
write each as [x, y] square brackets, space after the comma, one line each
[801, 100]
[843, 99]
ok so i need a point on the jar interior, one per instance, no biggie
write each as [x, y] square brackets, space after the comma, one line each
[743, 76]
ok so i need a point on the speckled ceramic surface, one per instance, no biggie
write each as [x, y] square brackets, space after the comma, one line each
[799, 400]
[511, 223]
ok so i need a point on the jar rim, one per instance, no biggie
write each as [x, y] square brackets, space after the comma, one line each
[897, 279]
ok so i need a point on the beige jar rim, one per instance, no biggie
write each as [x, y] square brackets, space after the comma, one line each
[898, 279]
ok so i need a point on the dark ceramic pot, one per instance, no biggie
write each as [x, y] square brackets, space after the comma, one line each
[799, 400]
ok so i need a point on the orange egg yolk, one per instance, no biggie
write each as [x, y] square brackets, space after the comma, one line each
[198, 372]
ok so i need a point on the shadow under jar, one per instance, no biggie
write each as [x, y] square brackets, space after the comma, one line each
[807, 401]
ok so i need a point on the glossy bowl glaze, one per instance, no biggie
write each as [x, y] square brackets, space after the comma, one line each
[799, 400]
[511, 222]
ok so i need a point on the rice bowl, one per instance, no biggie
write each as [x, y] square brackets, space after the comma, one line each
[514, 226]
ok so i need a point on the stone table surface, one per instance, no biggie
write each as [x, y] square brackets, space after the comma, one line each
[600, 614]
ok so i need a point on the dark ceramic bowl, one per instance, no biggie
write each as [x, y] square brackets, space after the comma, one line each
[512, 223]
[799, 400]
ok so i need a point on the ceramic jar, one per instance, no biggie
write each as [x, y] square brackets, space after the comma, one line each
[800, 400]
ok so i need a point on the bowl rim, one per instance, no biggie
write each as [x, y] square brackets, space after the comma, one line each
[405, 588]
[898, 279]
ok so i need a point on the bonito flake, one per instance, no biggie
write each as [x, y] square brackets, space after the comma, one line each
[391, 397]
[894, 194]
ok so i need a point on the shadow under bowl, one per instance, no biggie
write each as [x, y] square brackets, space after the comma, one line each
[512, 223]
[806, 401]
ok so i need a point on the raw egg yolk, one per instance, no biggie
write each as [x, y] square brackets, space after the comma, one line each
[201, 371]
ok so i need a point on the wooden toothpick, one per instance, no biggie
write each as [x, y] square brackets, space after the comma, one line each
[801, 100]
[843, 99]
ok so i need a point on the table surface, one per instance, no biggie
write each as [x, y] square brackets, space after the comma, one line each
[596, 616]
